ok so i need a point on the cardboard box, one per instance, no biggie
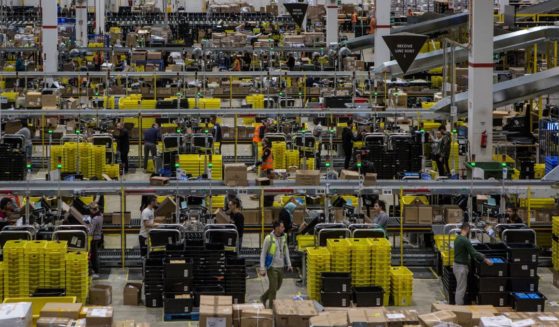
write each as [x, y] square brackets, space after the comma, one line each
[372, 317]
[158, 181]
[466, 315]
[290, 313]
[53, 322]
[330, 319]
[154, 55]
[497, 321]
[216, 316]
[435, 318]
[99, 317]
[238, 310]
[235, 174]
[166, 209]
[338, 214]
[299, 216]
[349, 175]
[137, 55]
[49, 101]
[117, 218]
[257, 318]
[33, 99]
[397, 318]
[370, 179]
[213, 300]
[61, 310]
[124, 323]
[411, 214]
[132, 294]
[101, 295]
[221, 217]
[77, 323]
[453, 214]
[307, 177]
[16, 314]
[539, 318]
[425, 215]
[252, 216]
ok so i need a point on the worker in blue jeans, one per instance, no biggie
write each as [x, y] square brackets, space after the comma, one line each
[273, 258]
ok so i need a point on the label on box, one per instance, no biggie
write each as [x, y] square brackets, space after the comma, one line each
[378, 302]
[216, 322]
[523, 323]
[532, 288]
[534, 257]
[98, 312]
[502, 302]
[154, 302]
[170, 240]
[344, 304]
[547, 318]
[186, 273]
[501, 288]
[344, 288]
[532, 273]
[501, 273]
[524, 267]
[395, 316]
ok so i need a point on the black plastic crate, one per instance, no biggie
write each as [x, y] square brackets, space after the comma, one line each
[498, 269]
[336, 281]
[524, 284]
[497, 299]
[368, 296]
[336, 299]
[154, 300]
[528, 302]
[178, 286]
[174, 303]
[523, 269]
[491, 284]
[522, 253]
[178, 268]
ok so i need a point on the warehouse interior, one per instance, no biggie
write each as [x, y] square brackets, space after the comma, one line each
[287, 163]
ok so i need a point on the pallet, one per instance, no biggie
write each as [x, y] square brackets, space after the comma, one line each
[192, 316]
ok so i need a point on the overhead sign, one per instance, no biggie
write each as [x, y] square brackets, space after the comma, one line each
[405, 47]
[297, 11]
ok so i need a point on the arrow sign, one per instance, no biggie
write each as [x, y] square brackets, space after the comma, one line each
[297, 11]
[405, 47]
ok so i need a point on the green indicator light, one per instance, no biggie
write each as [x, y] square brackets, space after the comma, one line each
[473, 164]
[206, 131]
[332, 130]
[281, 94]
[50, 131]
[503, 164]
[59, 166]
[199, 94]
[422, 130]
[359, 165]
[78, 131]
[97, 93]
[300, 93]
[179, 130]
[376, 93]
[454, 131]
[177, 165]
[210, 165]
[327, 164]
[28, 166]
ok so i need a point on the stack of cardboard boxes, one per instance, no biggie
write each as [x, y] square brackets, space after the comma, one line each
[216, 311]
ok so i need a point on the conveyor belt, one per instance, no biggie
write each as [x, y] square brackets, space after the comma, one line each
[540, 8]
[504, 93]
[505, 42]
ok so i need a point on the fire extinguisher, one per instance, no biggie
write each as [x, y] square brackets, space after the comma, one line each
[484, 140]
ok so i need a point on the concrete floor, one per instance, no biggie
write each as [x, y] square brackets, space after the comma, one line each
[426, 291]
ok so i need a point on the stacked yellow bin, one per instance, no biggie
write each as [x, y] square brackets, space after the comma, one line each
[538, 203]
[77, 275]
[217, 166]
[1, 281]
[351, 200]
[443, 244]
[190, 163]
[55, 265]
[112, 170]
[360, 262]
[35, 260]
[539, 171]
[292, 158]
[318, 261]
[218, 201]
[16, 272]
[92, 158]
[256, 100]
[401, 279]
[341, 255]
[310, 163]
[380, 264]
[304, 241]
[194, 164]
[555, 242]
[279, 150]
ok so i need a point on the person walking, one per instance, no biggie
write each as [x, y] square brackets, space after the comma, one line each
[273, 258]
[444, 151]
[217, 134]
[381, 217]
[347, 143]
[123, 145]
[151, 137]
[95, 230]
[147, 223]
[267, 160]
[463, 254]
[26, 132]
[237, 218]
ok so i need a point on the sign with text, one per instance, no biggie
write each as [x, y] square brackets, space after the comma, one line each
[297, 11]
[405, 47]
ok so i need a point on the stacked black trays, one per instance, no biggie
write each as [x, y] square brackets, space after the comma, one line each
[372, 296]
[209, 270]
[523, 271]
[491, 282]
[336, 289]
[154, 280]
[235, 278]
[179, 275]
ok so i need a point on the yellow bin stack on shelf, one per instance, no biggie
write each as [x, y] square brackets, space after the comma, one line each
[380, 264]
[217, 166]
[279, 150]
[16, 272]
[190, 163]
[402, 285]
[304, 241]
[77, 275]
[318, 261]
[341, 254]
[218, 201]
[310, 163]
[35, 260]
[443, 243]
[292, 158]
[555, 242]
[1, 281]
[256, 100]
[538, 203]
[112, 170]
[360, 262]
[55, 265]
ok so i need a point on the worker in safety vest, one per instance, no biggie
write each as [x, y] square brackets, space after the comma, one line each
[267, 160]
[273, 258]
[259, 134]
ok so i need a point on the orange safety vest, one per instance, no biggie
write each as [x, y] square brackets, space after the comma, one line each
[256, 137]
[268, 164]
